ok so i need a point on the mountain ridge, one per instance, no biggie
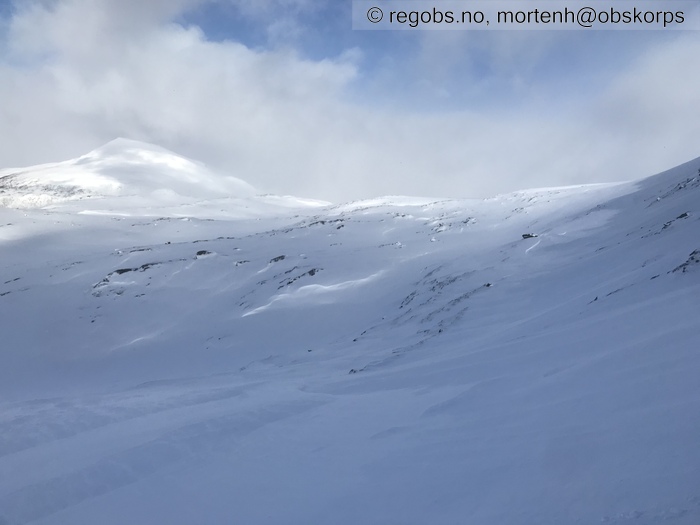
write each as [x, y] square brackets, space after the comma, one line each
[528, 358]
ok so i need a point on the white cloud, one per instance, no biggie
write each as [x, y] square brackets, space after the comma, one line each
[82, 72]
[657, 102]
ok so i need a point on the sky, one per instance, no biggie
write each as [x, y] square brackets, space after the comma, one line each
[287, 96]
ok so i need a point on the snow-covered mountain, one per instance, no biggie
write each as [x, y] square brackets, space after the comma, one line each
[176, 349]
[138, 178]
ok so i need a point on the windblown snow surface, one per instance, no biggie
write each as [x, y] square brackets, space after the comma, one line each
[177, 350]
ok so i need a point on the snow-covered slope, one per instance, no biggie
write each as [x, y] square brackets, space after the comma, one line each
[392, 361]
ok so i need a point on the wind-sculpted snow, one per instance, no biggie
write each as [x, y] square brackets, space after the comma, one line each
[530, 358]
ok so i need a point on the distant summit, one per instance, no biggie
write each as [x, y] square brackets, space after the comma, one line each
[121, 168]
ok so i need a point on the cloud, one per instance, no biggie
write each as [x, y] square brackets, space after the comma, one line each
[85, 28]
[657, 102]
[268, 8]
[78, 73]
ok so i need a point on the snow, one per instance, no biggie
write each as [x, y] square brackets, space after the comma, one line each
[155, 180]
[177, 349]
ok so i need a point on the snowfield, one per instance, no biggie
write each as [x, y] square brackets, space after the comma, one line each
[176, 349]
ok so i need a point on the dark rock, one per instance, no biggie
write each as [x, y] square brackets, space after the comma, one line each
[693, 260]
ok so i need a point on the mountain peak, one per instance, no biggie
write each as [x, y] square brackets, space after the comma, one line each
[121, 168]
